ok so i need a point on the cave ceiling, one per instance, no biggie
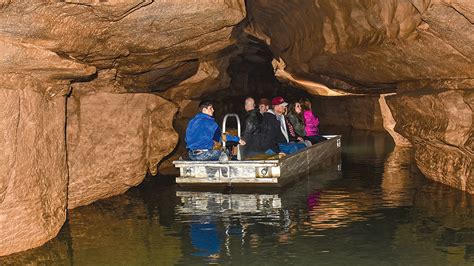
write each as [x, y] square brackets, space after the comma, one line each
[152, 45]
[359, 44]
[354, 46]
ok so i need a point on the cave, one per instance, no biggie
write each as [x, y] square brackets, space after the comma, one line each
[96, 94]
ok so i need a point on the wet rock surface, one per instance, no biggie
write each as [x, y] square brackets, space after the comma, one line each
[33, 171]
[381, 45]
[439, 124]
[114, 47]
[113, 141]
[90, 88]
[403, 47]
[360, 112]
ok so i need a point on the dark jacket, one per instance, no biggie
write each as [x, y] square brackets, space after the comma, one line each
[271, 133]
[298, 124]
[252, 124]
[251, 132]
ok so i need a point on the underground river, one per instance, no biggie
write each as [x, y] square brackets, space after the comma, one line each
[374, 208]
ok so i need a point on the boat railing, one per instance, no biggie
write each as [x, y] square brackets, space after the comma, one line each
[224, 123]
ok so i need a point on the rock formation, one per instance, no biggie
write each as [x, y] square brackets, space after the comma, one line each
[439, 124]
[377, 46]
[113, 140]
[94, 52]
[408, 47]
[90, 88]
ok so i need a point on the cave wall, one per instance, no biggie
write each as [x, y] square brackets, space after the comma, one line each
[33, 171]
[439, 124]
[381, 47]
[34, 83]
[113, 141]
[354, 45]
[360, 112]
[94, 52]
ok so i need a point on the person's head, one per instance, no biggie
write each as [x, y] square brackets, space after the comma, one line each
[249, 104]
[305, 104]
[263, 105]
[206, 107]
[295, 108]
[279, 105]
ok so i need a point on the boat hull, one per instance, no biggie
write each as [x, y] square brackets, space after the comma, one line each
[278, 172]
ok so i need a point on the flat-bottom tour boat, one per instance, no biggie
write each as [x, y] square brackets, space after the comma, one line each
[259, 170]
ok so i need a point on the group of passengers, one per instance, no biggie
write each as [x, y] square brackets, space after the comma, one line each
[282, 129]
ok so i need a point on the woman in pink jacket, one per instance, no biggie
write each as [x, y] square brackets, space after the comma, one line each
[311, 123]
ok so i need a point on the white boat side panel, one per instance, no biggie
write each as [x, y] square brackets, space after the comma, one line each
[257, 172]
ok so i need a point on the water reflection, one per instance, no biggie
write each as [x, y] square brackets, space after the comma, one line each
[378, 210]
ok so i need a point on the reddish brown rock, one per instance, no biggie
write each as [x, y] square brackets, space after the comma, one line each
[389, 124]
[146, 46]
[33, 172]
[352, 45]
[360, 112]
[439, 124]
[113, 140]
[153, 45]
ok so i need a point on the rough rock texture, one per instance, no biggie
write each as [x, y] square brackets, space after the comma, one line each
[33, 172]
[355, 44]
[121, 46]
[375, 47]
[152, 44]
[360, 112]
[389, 123]
[440, 126]
[113, 140]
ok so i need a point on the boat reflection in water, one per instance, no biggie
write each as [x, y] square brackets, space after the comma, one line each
[211, 203]
[221, 224]
[218, 219]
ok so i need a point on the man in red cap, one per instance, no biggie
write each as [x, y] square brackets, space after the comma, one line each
[272, 134]
[275, 137]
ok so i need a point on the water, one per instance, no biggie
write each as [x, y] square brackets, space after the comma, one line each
[378, 210]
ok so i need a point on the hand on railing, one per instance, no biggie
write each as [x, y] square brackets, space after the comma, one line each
[242, 142]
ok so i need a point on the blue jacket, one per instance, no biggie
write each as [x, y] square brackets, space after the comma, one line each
[202, 131]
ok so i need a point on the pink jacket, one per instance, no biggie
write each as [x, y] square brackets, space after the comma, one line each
[311, 123]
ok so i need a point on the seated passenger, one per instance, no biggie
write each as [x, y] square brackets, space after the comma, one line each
[263, 105]
[295, 116]
[292, 135]
[311, 123]
[275, 137]
[251, 128]
[201, 133]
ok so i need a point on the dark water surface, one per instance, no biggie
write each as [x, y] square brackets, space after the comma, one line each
[377, 210]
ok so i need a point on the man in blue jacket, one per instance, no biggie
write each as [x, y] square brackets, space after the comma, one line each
[201, 133]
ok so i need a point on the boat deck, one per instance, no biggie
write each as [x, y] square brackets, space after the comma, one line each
[260, 170]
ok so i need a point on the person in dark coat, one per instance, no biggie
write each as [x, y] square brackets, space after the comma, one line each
[251, 128]
[276, 135]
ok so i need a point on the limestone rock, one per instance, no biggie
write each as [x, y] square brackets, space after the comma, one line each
[383, 45]
[360, 112]
[110, 47]
[113, 140]
[153, 45]
[389, 124]
[440, 127]
[33, 172]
